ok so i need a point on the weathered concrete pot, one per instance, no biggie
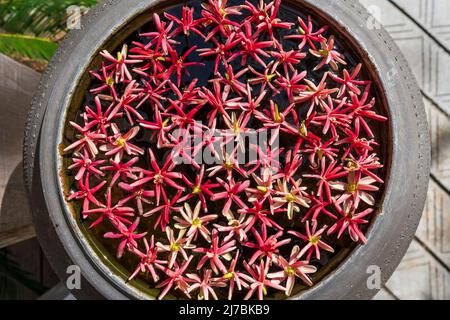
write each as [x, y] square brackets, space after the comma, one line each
[108, 25]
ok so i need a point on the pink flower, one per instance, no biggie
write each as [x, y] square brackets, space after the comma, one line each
[215, 252]
[364, 164]
[252, 104]
[165, 210]
[131, 95]
[160, 176]
[266, 246]
[99, 119]
[306, 34]
[293, 197]
[270, 21]
[231, 80]
[119, 64]
[175, 246]
[234, 277]
[265, 78]
[286, 59]
[205, 285]
[318, 206]
[162, 36]
[293, 268]
[355, 142]
[333, 118]
[86, 193]
[195, 224]
[153, 94]
[251, 47]
[149, 260]
[186, 24]
[175, 277]
[361, 110]
[84, 164]
[121, 170]
[235, 227]
[107, 81]
[120, 143]
[138, 194]
[291, 83]
[259, 280]
[221, 51]
[160, 128]
[86, 139]
[350, 221]
[231, 193]
[229, 164]
[179, 64]
[258, 214]
[315, 93]
[348, 82]
[216, 14]
[313, 237]
[114, 213]
[317, 150]
[328, 55]
[356, 189]
[126, 235]
[326, 177]
[218, 101]
[199, 188]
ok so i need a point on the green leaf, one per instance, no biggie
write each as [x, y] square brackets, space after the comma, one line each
[37, 17]
[27, 46]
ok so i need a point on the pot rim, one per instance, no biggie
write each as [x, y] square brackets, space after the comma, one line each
[109, 284]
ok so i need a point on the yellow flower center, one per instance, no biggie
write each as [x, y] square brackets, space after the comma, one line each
[319, 153]
[324, 53]
[174, 247]
[290, 197]
[301, 31]
[352, 187]
[234, 223]
[290, 271]
[110, 81]
[121, 142]
[352, 165]
[228, 275]
[314, 239]
[228, 165]
[196, 190]
[270, 77]
[197, 222]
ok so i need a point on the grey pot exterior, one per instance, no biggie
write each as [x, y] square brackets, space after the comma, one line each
[408, 137]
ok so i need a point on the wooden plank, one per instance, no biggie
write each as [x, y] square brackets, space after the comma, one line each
[17, 84]
[432, 15]
[420, 277]
[424, 272]
[439, 124]
[429, 61]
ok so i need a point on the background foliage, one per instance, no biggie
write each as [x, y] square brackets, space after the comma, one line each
[32, 28]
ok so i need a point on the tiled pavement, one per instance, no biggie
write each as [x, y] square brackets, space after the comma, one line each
[421, 28]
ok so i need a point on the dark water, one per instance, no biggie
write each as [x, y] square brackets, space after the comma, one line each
[287, 13]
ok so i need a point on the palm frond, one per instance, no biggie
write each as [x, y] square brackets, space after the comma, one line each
[27, 46]
[37, 17]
